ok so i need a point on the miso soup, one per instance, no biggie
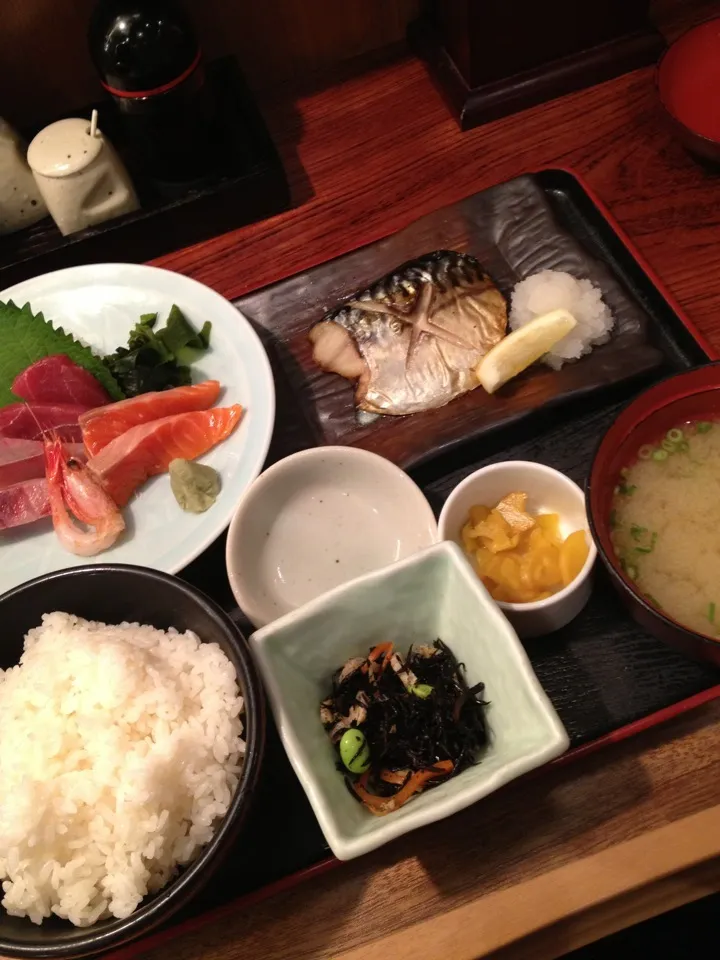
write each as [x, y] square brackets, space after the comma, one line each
[665, 524]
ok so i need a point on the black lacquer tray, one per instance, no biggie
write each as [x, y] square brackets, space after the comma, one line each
[605, 676]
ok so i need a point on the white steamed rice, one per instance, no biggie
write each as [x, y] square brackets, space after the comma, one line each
[554, 290]
[121, 748]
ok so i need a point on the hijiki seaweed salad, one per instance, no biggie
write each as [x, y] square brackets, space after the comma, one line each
[401, 725]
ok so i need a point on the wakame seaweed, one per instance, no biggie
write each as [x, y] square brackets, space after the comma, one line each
[158, 359]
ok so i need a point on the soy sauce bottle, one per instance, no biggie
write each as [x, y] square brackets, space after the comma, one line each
[149, 61]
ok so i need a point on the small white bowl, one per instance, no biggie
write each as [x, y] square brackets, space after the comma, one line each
[317, 519]
[434, 594]
[549, 491]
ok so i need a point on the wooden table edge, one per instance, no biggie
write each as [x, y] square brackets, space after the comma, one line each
[676, 864]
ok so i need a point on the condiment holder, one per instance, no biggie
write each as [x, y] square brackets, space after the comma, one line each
[80, 175]
[20, 201]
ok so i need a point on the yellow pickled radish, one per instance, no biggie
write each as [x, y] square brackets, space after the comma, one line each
[520, 557]
[468, 538]
[510, 573]
[497, 533]
[549, 523]
[573, 554]
[478, 514]
[483, 560]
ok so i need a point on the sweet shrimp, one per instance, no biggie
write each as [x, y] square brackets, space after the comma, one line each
[74, 493]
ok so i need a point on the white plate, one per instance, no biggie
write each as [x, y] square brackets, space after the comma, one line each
[99, 304]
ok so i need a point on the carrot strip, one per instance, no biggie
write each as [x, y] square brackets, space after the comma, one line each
[381, 648]
[381, 806]
[398, 777]
[369, 799]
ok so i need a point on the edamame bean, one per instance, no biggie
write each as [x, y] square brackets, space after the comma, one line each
[354, 751]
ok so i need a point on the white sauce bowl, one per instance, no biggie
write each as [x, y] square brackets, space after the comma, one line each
[318, 519]
[549, 491]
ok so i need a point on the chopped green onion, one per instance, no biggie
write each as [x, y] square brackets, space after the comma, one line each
[683, 446]
[631, 571]
[646, 451]
[636, 532]
[613, 519]
[650, 547]
[651, 598]
[703, 426]
[675, 435]
[711, 612]
[668, 445]
[660, 455]
[625, 489]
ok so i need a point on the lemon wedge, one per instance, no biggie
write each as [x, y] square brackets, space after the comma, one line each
[515, 352]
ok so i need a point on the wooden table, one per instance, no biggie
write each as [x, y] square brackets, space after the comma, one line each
[621, 835]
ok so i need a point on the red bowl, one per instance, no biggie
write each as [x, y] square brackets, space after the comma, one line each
[688, 84]
[693, 395]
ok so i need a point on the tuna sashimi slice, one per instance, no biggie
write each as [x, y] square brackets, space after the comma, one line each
[104, 424]
[25, 459]
[24, 503]
[57, 379]
[148, 448]
[30, 421]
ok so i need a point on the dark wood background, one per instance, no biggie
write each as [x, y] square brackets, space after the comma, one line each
[45, 69]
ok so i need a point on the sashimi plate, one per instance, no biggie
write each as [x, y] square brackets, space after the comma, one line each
[99, 304]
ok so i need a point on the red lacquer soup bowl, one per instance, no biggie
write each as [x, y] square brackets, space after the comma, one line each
[688, 84]
[693, 395]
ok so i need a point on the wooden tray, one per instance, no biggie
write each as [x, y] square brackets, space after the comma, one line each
[607, 679]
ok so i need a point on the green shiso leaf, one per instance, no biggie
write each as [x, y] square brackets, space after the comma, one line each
[26, 337]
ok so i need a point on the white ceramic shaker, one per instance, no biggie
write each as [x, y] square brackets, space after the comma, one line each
[80, 175]
[20, 201]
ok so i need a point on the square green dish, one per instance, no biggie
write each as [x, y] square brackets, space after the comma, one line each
[434, 594]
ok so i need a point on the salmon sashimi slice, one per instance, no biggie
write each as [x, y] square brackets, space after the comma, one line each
[103, 424]
[147, 449]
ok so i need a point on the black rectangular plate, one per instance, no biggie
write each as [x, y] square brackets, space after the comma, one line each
[602, 672]
[514, 231]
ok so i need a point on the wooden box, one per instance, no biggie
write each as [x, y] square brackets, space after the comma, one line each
[494, 57]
